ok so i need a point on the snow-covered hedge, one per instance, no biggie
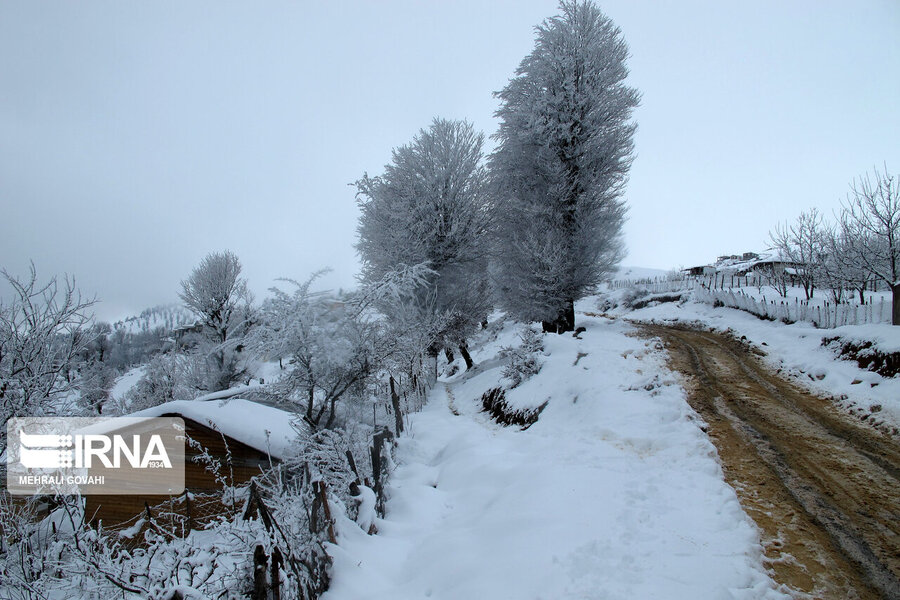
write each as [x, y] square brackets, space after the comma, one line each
[524, 360]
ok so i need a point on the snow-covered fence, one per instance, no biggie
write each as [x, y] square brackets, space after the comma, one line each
[662, 285]
[656, 285]
[826, 316]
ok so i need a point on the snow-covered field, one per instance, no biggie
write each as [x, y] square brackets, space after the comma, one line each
[797, 351]
[614, 493]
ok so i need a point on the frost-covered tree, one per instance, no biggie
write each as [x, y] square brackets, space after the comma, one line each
[43, 329]
[802, 243]
[218, 295]
[166, 377]
[430, 207]
[330, 350]
[870, 222]
[840, 271]
[565, 148]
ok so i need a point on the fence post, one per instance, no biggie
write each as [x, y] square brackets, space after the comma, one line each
[377, 444]
[275, 578]
[395, 402]
[260, 566]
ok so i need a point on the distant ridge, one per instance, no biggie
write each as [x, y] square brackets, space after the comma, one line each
[164, 316]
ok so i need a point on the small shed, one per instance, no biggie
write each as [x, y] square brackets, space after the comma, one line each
[245, 437]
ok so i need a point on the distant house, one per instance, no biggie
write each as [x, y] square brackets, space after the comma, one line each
[701, 270]
[245, 437]
[181, 334]
[768, 263]
[747, 264]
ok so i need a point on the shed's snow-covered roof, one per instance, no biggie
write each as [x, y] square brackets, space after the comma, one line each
[265, 428]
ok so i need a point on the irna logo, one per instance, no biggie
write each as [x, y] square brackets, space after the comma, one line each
[76, 455]
[49, 451]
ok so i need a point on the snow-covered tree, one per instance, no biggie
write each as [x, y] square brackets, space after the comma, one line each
[802, 243]
[565, 148]
[840, 271]
[330, 350]
[870, 221]
[218, 295]
[430, 207]
[43, 329]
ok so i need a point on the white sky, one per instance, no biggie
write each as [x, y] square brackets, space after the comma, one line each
[137, 137]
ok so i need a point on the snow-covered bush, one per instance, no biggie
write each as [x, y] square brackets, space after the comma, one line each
[633, 296]
[43, 329]
[524, 360]
[94, 385]
[166, 377]
[62, 557]
[332, 350]
[287, 518]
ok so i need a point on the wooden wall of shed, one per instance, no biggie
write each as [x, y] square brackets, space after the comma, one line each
[244, 463]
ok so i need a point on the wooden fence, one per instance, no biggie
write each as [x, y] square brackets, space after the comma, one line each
[824, 316]
[728, 290]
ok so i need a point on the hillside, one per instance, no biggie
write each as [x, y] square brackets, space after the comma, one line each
[614, 492]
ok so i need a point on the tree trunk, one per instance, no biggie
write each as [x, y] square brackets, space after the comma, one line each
[464, 350]
[569, 316]
[449, 354]
[260, 566]
[564, 322]
[895, 304]
[311, 394]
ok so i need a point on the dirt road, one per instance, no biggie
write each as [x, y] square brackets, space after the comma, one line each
[822, 488]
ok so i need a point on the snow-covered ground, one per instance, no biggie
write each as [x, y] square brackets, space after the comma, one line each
[797, 351]
[615, 492]
[124, 383]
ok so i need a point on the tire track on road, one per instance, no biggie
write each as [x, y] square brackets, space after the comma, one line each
[822, 488]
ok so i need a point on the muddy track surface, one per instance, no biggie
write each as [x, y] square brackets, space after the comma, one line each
[823, 489]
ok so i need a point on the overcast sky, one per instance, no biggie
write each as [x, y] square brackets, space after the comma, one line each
[137, 137]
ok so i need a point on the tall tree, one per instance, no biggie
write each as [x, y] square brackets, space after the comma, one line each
[802, 243]
[870, 221]
[217, 293]
[429, 207]
[841, 271]
[565, 148]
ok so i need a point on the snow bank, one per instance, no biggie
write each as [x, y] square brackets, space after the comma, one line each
[886, 338]
[614, 493]
[797, 351]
